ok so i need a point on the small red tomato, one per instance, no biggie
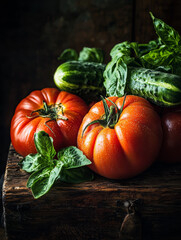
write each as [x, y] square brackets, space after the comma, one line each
[58, 113]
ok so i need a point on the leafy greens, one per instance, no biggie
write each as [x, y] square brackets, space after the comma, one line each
[162, 54]
[70, 165]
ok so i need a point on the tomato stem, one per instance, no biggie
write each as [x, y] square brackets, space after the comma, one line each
[45, 107]
[53, 112]
[110, 117]
[49, 111]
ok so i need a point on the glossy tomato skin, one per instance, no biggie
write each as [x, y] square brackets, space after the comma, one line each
[127, 149]
[171, 146]
[26, 121]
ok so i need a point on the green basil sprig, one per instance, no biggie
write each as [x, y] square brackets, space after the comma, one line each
[162, 54]
[168, 52]
[70, 165]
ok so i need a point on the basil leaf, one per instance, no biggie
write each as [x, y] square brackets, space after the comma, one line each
[126, 52]
[46, 170]
[44, 145]
[121, 49]
[33, 162]
[45, 180]
[72, 157]
[115, 76]
[37, 175]
[168, 35]
[176, 64]
[68, 55]
[145, 48]
[76, 175]
[158, 57]
[91, 55]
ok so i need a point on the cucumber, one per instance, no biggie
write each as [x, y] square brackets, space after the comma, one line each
[159, 87]
[84, 79]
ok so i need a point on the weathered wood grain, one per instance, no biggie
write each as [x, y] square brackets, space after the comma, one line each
[92, 210]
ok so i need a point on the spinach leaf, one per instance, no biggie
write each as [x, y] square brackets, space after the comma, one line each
[72, 157]
[44, 145]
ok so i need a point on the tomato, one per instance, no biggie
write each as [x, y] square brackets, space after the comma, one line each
[56, 112]
[124, 145]
[171, 147]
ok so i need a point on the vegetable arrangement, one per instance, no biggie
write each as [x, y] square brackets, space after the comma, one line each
[136, 103]
[152, 70]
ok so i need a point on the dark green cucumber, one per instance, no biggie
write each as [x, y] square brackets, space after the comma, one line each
[158, 87]
[81, 78]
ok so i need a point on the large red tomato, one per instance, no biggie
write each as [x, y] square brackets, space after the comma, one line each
[121, 145]
[57, 113]
[171, 146]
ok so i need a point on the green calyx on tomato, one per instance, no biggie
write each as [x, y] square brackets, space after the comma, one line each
[120, 152]
[111, 116]
[54, 112]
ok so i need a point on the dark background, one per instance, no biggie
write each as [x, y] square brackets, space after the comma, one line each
[34, 33]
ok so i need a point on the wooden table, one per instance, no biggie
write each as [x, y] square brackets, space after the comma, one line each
[94, 210]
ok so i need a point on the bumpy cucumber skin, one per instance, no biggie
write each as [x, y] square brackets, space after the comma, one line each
[81, 78]
[161, 88]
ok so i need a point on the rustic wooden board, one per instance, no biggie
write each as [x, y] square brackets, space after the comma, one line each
[92, 210]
